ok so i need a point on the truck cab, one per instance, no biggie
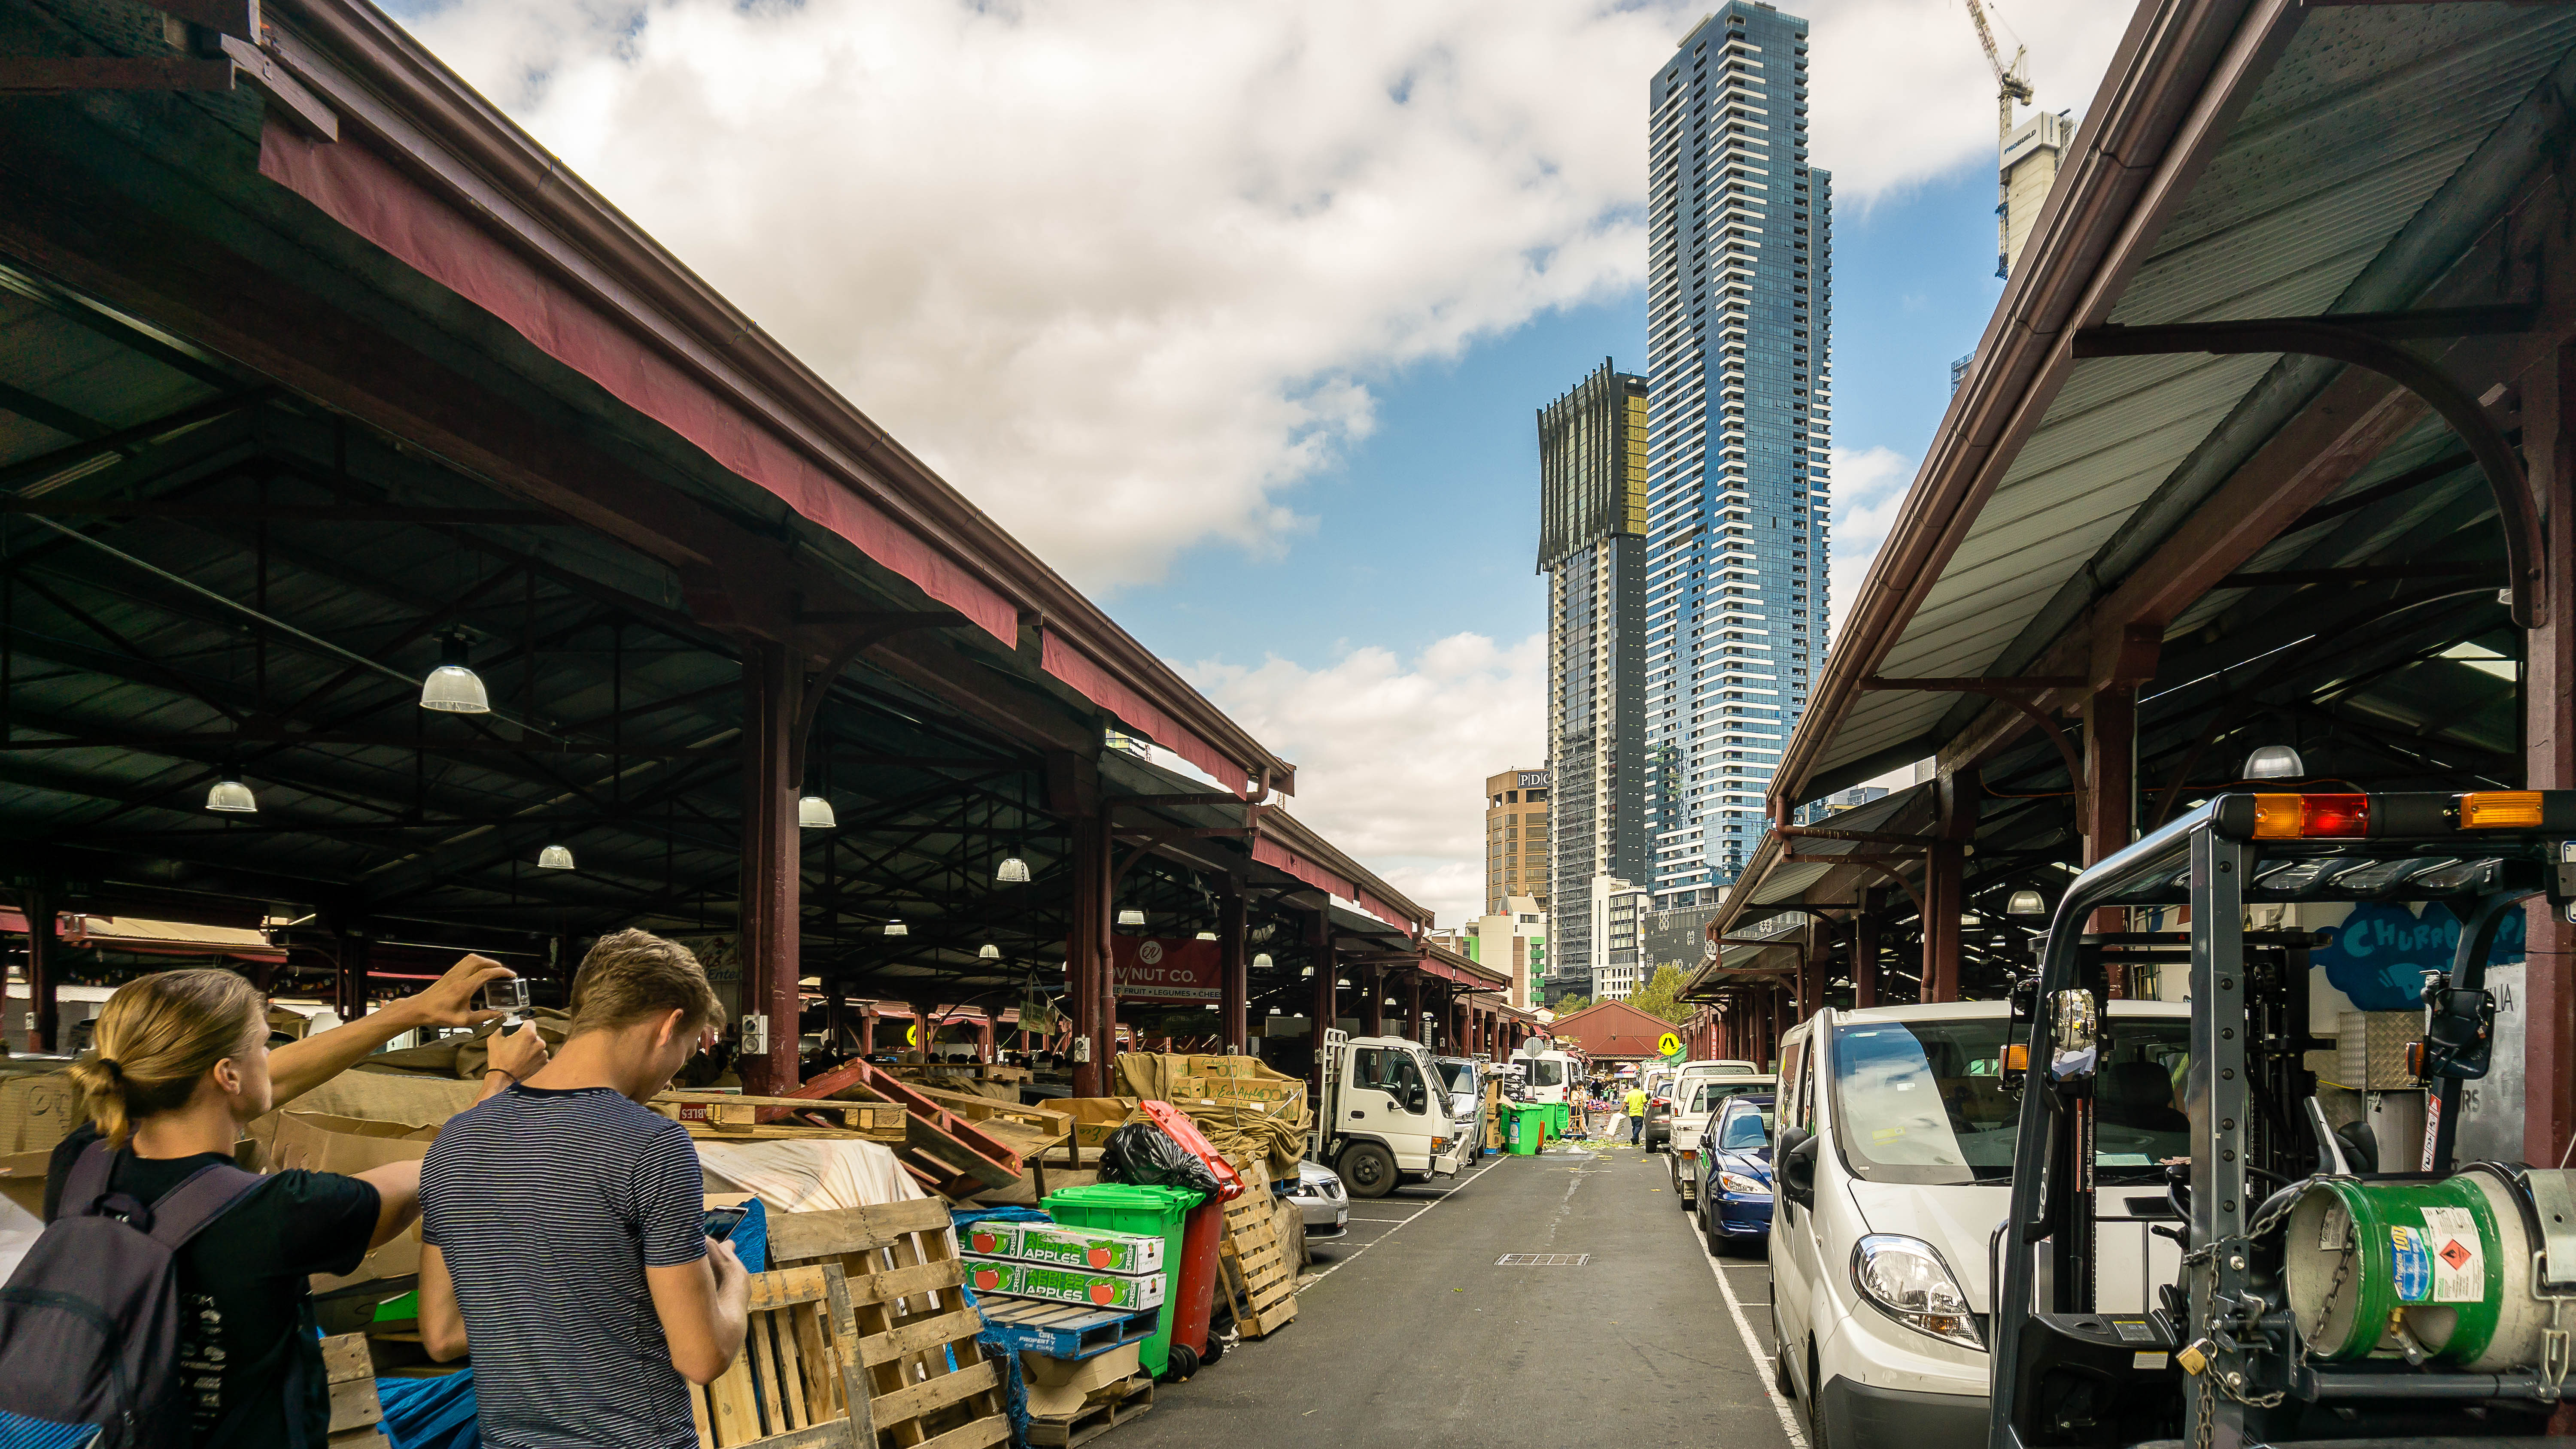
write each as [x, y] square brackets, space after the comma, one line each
[1546, 1074]
[1384, 1114]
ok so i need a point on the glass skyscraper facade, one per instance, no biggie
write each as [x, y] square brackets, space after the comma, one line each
[1592, 547]
[1739, 338]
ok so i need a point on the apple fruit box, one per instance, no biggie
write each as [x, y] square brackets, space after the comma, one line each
[1062, 1246]
[1014, 1279]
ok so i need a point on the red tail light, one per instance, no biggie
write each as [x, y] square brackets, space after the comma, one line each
[2301, 817]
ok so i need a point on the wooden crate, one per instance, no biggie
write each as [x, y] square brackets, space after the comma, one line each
[924, 1376]
[721, 1115]
[1106, 1409]
[1260, 1282]
[795, 1378]
[350, 1371]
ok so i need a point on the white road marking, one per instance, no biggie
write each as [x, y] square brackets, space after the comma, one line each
[1744, 1326]
[1308, 1280]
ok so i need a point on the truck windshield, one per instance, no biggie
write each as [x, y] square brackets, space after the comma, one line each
[1545, 1073]
[1461, 1076]
[1923, 1102]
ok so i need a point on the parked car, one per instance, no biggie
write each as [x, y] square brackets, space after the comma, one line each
[1893, 1164]
[1669, 1090]
[1734, 1157]
[1323, 1208]
[1699, 1098]
[1466, 1086]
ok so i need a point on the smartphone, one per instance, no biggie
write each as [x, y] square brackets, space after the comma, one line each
[507, 995]
[722, 1221]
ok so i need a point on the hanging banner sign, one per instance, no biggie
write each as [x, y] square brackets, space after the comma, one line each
[1149, 968]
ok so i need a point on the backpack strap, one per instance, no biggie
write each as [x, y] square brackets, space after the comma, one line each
[86, 1183]
[205, 1196]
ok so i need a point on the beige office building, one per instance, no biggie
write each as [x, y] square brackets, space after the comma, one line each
[1515, 838]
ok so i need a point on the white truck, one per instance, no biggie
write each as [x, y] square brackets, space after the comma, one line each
[1384, 1115]
[1546, 1074]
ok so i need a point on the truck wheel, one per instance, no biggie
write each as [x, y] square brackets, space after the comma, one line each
[1367, 1169]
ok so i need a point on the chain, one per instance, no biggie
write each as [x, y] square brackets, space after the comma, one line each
[2206, 1257]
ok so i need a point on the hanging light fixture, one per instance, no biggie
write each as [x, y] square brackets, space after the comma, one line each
[554, 857]
[897, 928]
[1012, 871]
[815, 813]
[1309, 971]
[1261, 961]
[2026, 903]
[452, 688]
[1207, 935]
[232, 796]
[1130, 916]
[2275, 762]
[988, 952]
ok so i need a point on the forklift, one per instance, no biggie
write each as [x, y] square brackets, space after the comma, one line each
[2321, 1296]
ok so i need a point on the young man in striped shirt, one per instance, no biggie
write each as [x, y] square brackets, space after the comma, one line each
[562, 1225]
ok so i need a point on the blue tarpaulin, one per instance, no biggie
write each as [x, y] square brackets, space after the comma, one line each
[995, 1344]
[430, 1413]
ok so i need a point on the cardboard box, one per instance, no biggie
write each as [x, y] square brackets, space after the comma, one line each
[1095, 1248]
[1058, 1387]
[1064, 1285]
[37, 1111]
[22, 1180]
[318, 1142]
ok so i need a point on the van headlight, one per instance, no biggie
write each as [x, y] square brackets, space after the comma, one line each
[1906, 1280]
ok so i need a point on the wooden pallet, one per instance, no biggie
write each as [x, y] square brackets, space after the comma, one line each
[719, 1115]
[1255, 1259]
[794, 1381]
[924, 1376]
[1068, 1330]
[1119, 1403]
[350, 1370]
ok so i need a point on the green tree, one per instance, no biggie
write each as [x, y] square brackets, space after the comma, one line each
[1662, 995]
[1570, 1006]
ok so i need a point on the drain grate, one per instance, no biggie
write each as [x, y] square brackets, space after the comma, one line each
[1542, 1260]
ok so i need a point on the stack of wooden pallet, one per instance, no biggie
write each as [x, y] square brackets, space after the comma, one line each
[1105, 1409]
[733, 1117]
[1260, 1282]
[351, 1373]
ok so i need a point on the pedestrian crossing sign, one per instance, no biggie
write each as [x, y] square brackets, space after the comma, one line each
[1669, 1044]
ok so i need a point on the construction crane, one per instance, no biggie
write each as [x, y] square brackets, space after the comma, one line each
[2012, 83]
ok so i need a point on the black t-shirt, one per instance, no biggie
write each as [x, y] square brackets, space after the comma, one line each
[245, 1309]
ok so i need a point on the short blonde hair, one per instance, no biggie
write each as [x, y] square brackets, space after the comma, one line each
[158, 1036]
[633, 974]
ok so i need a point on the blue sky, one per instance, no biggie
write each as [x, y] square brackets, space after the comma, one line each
[1426, 528]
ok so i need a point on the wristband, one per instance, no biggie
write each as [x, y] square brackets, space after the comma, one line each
[504, 1071]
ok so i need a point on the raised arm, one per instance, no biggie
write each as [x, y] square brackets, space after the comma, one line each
[299, 1067]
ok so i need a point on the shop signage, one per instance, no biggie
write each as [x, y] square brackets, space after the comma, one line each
[1150, 968]
[2379, 955]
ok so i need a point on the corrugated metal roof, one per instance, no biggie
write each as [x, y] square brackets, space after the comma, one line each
[2369, 111]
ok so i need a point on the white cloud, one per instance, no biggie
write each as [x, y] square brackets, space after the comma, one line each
[1392, 754]
[1869, 484]
[1124, 272]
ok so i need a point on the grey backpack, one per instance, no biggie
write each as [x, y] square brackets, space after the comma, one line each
[89, 1324]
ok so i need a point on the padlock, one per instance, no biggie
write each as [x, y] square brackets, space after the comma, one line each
[2194, 1356]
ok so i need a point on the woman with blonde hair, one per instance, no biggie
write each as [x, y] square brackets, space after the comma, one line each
[181, 1064]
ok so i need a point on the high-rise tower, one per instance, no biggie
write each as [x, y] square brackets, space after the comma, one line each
[1739, 334]
[1592, 547]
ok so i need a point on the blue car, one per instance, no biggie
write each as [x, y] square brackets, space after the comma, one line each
[1735, 1175]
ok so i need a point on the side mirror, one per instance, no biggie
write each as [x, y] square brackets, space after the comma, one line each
[1796, 1159]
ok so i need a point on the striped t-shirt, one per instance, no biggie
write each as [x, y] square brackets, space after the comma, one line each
[549, 1206]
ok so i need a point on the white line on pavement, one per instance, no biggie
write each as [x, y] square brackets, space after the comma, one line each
[1744, 1326]
[1309, 1280]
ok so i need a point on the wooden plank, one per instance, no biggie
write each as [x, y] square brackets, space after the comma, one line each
[896, 1284]
[819, 1361]
[800, 1237]
[920, 1334]
[698, 1416]
[844, 1328]
[915, 1400]
[928, 1126]
[345, 1357]
[974, 1435]
[760, 1346]
[781, 1287]
[729, 1404]
[354, 1405]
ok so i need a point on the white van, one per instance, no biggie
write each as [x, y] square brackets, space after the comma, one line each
[1546, 1074]
[1384, 1117]
[1894, 1164]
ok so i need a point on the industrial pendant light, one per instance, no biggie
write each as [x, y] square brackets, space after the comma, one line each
[2275, 762]
[232, 796]
[897, 928]
[814, 813]
[988, 952]
[554, 857]
[2026, 903]
[1131, 916]
[1207, 935]
[1012, 871]
[452, 688]
[1261, 962]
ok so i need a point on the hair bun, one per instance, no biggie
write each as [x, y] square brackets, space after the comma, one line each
[113, 1070]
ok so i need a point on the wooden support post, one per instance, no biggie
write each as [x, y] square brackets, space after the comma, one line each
[1323, 1008]
[2106, 793]
[1233, 972]
[772, 680]
[350, 952]
[1864, 938]
[44, 1003]
[1413, 1029]
[1086, 957]
[1373, 1007]
[1945, 868]
[835, 1013]
[2549, 760]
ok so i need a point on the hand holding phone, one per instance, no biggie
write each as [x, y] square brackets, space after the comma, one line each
[721, 1221]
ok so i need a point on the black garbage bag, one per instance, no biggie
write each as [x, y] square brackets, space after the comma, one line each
[1144, 1155]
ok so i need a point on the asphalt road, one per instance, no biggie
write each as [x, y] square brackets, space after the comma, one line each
[1409, 1334]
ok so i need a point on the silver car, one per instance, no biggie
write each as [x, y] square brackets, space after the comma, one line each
[1323, 1208]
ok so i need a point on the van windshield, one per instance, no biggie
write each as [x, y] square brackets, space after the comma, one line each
[1546, 1073]
[1923, 1102]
